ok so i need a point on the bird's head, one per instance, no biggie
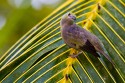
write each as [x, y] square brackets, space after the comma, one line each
[68, 19]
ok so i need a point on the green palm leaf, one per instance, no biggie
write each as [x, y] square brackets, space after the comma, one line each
[41, 55]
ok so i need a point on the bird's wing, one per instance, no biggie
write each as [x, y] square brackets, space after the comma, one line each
[93, 40]
[86, 45]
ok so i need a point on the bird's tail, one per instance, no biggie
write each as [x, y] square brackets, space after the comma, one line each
[107, 57]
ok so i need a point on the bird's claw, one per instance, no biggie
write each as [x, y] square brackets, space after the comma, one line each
[75, 55]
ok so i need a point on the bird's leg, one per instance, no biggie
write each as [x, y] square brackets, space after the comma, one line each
[74, 53]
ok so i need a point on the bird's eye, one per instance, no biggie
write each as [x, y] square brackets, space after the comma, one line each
[69, 14]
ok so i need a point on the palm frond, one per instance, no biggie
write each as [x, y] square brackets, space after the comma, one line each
[41, 55]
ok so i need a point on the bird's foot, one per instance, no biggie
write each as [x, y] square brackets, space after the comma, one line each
[75, 55]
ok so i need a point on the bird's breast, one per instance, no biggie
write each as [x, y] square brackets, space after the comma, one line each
[71, 38]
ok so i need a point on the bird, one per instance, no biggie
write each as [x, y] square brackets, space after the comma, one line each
[79, 38]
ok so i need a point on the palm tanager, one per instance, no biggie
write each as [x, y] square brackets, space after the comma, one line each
[79, 38]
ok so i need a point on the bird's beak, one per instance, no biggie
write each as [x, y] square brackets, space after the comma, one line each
[73, 17]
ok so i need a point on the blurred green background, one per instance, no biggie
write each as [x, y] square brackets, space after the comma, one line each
[19, 16]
